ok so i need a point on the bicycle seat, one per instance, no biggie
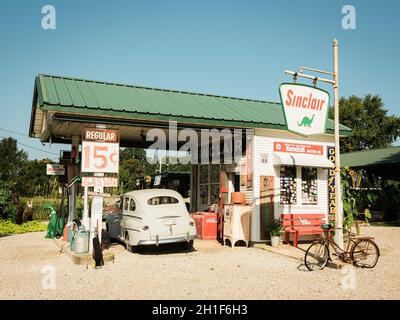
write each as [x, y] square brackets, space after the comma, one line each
[326, 226]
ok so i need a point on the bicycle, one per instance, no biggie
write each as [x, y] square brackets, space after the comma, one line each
[360, 251]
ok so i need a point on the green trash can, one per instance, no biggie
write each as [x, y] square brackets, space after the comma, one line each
[81, 241]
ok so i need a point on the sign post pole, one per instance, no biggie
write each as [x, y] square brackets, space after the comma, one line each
[335, 83]
[339, 207]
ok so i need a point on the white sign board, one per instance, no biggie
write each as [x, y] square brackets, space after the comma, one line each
[55, 170]
[96, 219]
[100, 157]
[157, 180]
[99, 182]
[305, 108]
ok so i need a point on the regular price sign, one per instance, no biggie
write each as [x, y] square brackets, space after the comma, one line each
[102, 157]
[305, 108]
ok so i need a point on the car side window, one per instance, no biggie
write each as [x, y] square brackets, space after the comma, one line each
[126, 203]
[132, 205]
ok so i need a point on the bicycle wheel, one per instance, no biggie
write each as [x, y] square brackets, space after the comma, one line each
[317, 256]
[365, 253]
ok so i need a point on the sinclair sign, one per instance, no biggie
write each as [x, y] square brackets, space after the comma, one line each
[305, 108]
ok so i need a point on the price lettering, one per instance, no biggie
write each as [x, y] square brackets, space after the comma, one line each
[100, 157]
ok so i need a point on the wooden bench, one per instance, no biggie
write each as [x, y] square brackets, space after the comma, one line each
[301, 224]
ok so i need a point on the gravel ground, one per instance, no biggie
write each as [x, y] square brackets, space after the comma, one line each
[209, 272]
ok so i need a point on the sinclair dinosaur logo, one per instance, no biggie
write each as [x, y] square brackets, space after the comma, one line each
[305, 108]
[306, 122]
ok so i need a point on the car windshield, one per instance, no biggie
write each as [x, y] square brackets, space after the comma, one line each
[162, 200]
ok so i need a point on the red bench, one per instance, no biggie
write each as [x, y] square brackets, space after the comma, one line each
[301, 224]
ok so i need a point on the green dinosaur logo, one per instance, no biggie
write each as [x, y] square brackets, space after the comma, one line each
[306, 122]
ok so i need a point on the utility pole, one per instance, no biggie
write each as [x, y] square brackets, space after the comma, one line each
[335, 83]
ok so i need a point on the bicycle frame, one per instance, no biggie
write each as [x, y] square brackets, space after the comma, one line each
[341, 253]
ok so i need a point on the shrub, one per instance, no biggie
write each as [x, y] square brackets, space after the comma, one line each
[8, 227]
[275, 228]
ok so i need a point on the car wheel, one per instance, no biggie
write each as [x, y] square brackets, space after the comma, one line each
[188, 245]
[128, 245]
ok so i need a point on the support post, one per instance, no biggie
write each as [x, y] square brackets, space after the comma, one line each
[339, 207]
[73, 172]
[85, 216]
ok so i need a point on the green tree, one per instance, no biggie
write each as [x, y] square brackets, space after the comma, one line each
[139, 155]
[132, 153]
[34, 181]
[372, 127]
[12, 160]
[8, 205]
[129, 171]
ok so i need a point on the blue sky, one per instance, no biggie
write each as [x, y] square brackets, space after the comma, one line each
[234, 48]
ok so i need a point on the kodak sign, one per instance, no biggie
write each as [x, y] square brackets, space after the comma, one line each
[305, 108]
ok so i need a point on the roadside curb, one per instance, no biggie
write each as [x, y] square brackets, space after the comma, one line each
[81, 259]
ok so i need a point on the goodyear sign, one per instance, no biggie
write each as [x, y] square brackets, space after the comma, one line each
[331, 183]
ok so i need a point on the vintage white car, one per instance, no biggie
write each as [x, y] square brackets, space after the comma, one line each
[152, 217]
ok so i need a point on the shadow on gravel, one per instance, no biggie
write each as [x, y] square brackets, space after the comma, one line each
[302, 267]
[163, 249]
[330, 265]
[170, 248]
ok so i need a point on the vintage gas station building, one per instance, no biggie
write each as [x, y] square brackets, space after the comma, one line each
[280, 171]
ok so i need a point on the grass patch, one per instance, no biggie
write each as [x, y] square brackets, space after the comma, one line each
[8, 227]
[40, 213]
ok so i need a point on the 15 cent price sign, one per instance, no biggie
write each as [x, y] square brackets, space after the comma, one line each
[100, 151]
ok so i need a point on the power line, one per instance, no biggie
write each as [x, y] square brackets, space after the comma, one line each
[15, 132]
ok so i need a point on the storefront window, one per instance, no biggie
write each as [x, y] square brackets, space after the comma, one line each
[214, 173]
[288, 185]
[203, 173]
[203, 194]
[309, 186]
[209, 184]
[214, 193]
[203, 179]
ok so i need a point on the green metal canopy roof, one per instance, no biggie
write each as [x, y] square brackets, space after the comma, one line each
[371, 158]
[382, 162]
[96, 98]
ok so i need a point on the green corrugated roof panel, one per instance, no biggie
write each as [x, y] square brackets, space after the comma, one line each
[102, 98]
[368, 158]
